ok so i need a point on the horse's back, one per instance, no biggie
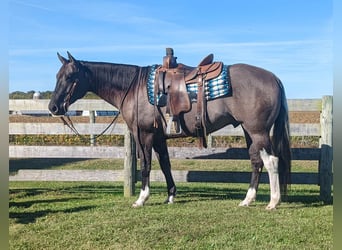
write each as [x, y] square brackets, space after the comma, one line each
[255, 95]
[252, 76]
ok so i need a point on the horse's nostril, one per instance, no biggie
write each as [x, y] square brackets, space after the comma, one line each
[54, 109]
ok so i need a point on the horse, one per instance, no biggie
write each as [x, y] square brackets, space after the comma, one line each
[257, 103]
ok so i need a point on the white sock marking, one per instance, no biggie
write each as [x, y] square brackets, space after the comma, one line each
[250, 197]
[171, 199]
[143, 197]
[271, 164]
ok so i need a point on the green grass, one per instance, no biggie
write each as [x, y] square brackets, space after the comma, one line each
[117, 164]
[95, 215]
[82, 215]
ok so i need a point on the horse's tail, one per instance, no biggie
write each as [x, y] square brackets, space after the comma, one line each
[281, 142]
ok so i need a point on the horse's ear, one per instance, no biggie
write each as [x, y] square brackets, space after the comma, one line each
[62, 59]
[71, 58]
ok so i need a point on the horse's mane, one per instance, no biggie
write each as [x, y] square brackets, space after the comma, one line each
[120, 75]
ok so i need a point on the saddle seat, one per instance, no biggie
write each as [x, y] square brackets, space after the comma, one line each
[208, 71]
[206, 67]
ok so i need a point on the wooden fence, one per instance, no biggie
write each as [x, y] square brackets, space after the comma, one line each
[129, 175]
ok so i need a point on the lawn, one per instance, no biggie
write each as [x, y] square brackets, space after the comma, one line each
[95, 215]
[84, 215]
[117, 164]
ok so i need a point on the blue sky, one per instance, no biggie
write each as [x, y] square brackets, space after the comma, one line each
[291, 38]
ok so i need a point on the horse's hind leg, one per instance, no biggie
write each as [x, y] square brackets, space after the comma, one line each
[160, 148]
[255, 142]
[257, 165]
[271, 164]
[258, 146]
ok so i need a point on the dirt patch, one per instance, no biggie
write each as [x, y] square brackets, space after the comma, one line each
[304, 117]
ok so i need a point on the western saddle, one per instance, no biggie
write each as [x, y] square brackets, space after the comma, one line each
[171, 80]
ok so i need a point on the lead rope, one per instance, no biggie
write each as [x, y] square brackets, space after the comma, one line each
[68, 122]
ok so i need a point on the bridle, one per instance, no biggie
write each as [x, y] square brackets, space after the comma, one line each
[66, 103]
[68, 122]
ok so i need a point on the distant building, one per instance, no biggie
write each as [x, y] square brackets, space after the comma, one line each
[36, 95]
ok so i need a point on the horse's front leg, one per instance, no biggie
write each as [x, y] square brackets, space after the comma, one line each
[145, 153]
[145, 185]
[160, 148]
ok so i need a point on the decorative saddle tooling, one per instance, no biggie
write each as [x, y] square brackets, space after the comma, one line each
[176, 86]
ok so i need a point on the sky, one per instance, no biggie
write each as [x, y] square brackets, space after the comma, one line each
[291, 38]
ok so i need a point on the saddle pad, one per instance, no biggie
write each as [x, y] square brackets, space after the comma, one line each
[213, 89]
[150, 84]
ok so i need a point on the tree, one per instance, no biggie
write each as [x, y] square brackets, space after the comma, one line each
[43, 95]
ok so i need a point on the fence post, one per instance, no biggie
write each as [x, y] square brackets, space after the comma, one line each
[130, 165]
[325, 163]
[92, 121]
[210, 141]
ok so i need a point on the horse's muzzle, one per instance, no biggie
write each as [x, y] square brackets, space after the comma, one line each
[58, 110]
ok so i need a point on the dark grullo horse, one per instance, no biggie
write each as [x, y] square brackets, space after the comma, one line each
[257, 103]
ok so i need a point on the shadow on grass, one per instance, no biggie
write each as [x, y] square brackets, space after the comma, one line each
[30, 217]
[308, 200]
[27, 204]
[209, 193]
[40, 163]
[23, 200]
[185, 194]
[69, 188]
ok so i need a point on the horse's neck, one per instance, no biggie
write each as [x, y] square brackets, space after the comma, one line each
[106, 92]
[106, 85]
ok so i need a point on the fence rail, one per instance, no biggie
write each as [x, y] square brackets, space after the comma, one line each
[323, 154]
[296, 129]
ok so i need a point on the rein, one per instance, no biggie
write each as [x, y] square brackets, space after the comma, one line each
[68, 122]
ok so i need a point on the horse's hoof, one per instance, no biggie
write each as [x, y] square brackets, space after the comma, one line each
[271, 207]
[136, 205]
[243, 204]
[169, 200]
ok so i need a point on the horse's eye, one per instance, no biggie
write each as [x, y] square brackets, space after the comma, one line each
[68, 78]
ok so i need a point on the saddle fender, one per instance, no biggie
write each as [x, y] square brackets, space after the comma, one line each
[172, 83]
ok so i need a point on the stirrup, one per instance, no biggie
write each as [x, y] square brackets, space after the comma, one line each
[173, 127]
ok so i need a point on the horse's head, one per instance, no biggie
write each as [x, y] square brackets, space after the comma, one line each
[71, 85]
